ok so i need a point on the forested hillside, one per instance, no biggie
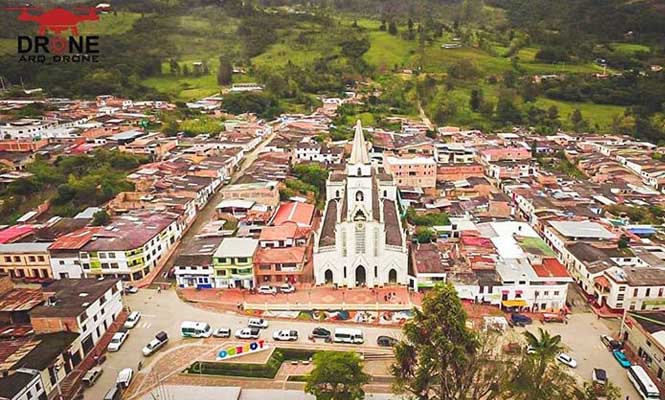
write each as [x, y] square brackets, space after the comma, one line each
[573, 64]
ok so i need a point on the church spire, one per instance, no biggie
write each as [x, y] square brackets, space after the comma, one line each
[359, 151]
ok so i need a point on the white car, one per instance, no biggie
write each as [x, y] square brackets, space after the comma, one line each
[267, 290]
[285, 335]
[287, 288]
[155, 344]
[132, 320]
[565, 359]
[124, 377]
[117, 341]
[248, 333]
[257, 323]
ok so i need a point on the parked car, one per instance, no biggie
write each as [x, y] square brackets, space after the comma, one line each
[124, 378]
[285, 335]
[257, 323]
[287, 288]
[267, 290]
[550, 317]
[129, 289]
[248, 333]
[520, 319]
[621, 358]
[609, 342]
[115, 393]
[222, 333]
[565, 359]
[386, 341]
[91, 376]
[155, 344]
[321, 333]
[599, 376]
[117, 341]
[132, 320]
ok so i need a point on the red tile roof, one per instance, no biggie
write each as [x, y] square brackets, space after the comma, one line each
[300, 213]
[551, 268]
[16, 232]
[283, 255]
[281, 232]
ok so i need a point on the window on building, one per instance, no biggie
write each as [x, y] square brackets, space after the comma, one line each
[17, 259]
[648, 292]
[620, 297]
[111, 255]
[8, 259]
[31, 258]
[242, 260]
[635, 292]
[86, 266]
[622, 288]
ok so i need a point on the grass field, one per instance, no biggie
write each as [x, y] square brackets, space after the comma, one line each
[629, 48]
[7, 46]
[595, 114]
[110, 24]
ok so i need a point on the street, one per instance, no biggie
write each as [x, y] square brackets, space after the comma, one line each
[581, 340]
[165, 312]
[205, 215]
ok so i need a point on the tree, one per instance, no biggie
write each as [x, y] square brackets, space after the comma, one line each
[545, 347]
[476, 100]
[472, 11]
[424, 234]
[100, 218]
[506, 110]
[441, 358]
[624, 242]
[576, 118]
[225, 72]
[392, 28]
[336, 376]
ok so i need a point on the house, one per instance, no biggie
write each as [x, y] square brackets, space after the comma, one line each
[25, 260]
[429, 265]
[194, 265]
[23, 384]
[413, 171]
[86, 307]
[302, 214]
[559, 233]
[274, 265]
[64, 253]
[131, 246]
[643, 332]
[233, 263]
[261, 192]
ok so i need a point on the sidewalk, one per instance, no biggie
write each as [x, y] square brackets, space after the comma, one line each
[308, 298]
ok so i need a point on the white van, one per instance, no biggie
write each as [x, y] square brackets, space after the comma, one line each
[195, 329]
[347, 335]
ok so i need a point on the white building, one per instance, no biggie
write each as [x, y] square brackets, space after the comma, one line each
[24, 384]
[361, 240]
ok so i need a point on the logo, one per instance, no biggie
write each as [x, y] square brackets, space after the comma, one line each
[234, 351]
[58, 39]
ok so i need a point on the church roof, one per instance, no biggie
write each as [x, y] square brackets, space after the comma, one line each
[329, 221]
[359, 153]
[391, 218]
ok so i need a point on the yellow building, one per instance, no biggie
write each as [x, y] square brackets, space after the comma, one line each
[25, 260]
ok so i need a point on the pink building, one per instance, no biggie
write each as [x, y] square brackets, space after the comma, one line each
[415, 171]
[505, 154]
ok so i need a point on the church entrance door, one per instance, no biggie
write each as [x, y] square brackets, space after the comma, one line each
[328, 276]
[361, 275]
[392, 276]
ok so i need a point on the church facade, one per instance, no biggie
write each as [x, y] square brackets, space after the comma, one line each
[361, 241]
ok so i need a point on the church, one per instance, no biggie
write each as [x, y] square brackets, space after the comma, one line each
[361, 241]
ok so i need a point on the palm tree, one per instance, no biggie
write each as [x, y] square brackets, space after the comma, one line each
[545, 347]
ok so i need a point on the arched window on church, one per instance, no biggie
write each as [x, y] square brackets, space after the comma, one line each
[337, 193]
[360, 196]
[376, 271]
[360, 171]
[385, 193]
